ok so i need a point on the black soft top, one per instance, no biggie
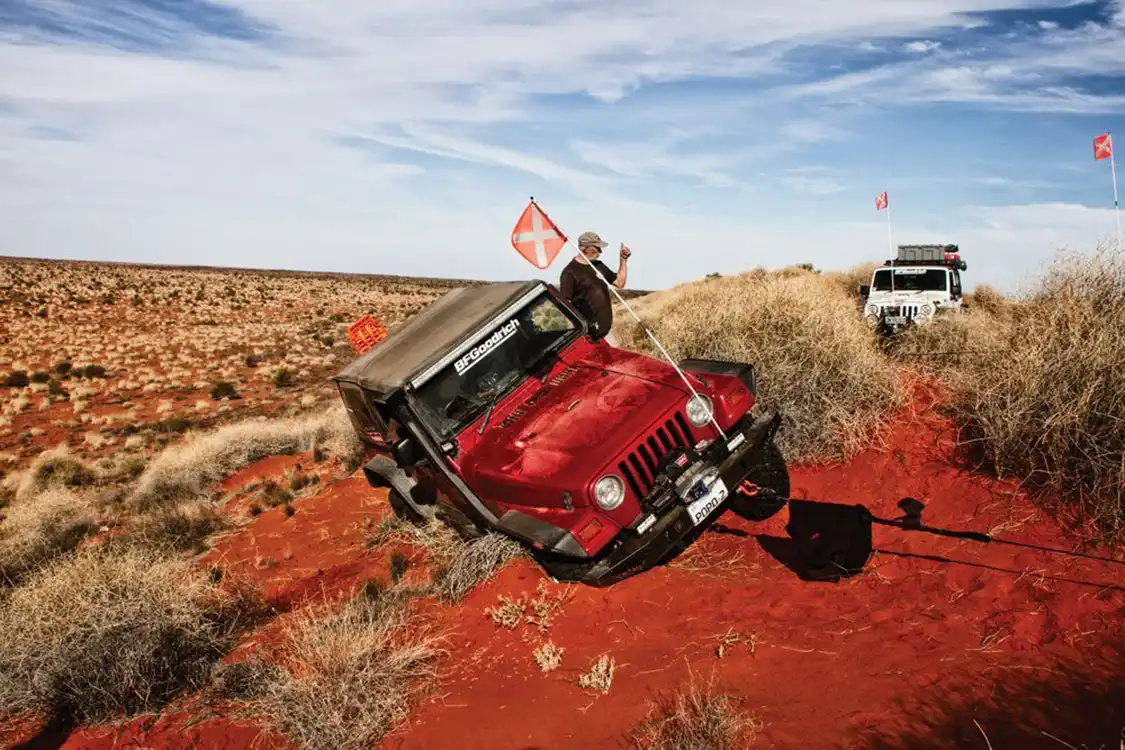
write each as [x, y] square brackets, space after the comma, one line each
[433, 337]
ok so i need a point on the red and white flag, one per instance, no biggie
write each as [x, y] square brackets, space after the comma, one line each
[536, 237]
[1103, 147]
[881, 201]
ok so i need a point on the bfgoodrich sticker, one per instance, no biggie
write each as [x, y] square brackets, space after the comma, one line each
[475, 354]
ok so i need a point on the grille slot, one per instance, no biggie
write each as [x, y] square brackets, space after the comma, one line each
[642, 465]
[908, 311]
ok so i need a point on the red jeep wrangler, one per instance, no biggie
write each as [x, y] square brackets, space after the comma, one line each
[493, 410]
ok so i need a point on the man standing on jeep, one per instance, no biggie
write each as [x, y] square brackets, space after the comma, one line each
[579, 284]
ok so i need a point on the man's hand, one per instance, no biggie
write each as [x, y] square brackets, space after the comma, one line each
[625, 252]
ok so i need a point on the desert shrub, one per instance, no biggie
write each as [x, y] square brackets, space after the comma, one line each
[350, 675]
[93, 371]
[174, 424]
[224, 389]
[40, 377]
[62, 368]
[1045, 402]
[816, 361]
[40, 528]
[284, 378]
[17, 379]
[56, 467]
[107, 633]
[987, 299]
[948, 342]
[694, 719]
[850, 280]
[188, 468]
[179, 527]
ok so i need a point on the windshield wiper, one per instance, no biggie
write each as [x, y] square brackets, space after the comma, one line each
[488, 413]
[500, 393]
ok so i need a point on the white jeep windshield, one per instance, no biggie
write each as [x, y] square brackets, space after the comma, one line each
[495, 365]
[911, 280]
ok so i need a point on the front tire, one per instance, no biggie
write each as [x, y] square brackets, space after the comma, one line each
[771, 474]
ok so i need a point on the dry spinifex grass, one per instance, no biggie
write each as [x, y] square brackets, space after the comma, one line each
[815, 359]
[695, 718]
[1044, 399]
[350, 675]
[110, 632]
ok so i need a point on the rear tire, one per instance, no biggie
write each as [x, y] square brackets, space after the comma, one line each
[772, 474]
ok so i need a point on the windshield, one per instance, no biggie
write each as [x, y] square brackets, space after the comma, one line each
[485, 373]
[911, 280]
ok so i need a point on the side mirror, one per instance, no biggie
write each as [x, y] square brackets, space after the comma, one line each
[407, 452]
[864, 290]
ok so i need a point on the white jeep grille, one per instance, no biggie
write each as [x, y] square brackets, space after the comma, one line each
[907, 311]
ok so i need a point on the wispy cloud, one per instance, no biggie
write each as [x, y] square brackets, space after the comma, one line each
[304, 133]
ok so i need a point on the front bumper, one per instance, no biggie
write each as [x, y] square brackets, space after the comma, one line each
[655, 535]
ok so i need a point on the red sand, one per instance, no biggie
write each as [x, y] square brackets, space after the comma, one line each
[916, 652]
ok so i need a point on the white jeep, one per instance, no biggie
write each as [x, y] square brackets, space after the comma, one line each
[924, 281]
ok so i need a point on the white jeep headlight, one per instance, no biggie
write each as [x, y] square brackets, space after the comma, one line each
[926, 309]
[699, 410]
[609, 492]
[872, 309]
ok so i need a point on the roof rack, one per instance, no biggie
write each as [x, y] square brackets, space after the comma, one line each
[945, 256]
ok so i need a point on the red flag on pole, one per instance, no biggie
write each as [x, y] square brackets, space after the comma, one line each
[536, 237]
[1103, 147]
[881, 201]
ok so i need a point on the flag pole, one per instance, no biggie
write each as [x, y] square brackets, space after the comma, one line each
[1116, 208]
[890, 241]
[612, 288]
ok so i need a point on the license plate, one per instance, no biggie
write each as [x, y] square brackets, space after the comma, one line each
[701, 508]
[896, 320]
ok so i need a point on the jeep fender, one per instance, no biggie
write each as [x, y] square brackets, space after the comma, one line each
[382, 472]
[744, 371]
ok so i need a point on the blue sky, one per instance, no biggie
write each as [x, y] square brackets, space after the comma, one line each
[405, 136]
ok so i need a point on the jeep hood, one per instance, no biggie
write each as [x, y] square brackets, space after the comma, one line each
[557, 437]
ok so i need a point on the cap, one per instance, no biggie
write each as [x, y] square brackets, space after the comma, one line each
[591, 238]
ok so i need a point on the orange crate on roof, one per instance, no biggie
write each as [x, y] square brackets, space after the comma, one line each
[366, 333]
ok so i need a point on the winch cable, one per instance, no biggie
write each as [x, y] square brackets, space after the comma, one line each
[912, 521]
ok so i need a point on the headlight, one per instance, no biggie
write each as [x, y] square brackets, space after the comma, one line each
[699, 410]
[927, 308]
[872, 309]
[872, 320]
[609, 491]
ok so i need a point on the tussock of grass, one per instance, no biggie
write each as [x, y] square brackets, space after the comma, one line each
[186, 470]
[695, 719]
[40, 528]
[351, 675]
[948, 342]
[1045, 401]
[816, 360]
[56, 467]
[107, 633]
[457, 565]
[180, 527]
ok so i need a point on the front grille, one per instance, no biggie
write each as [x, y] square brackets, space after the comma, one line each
[908, 311]
[642, 465]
